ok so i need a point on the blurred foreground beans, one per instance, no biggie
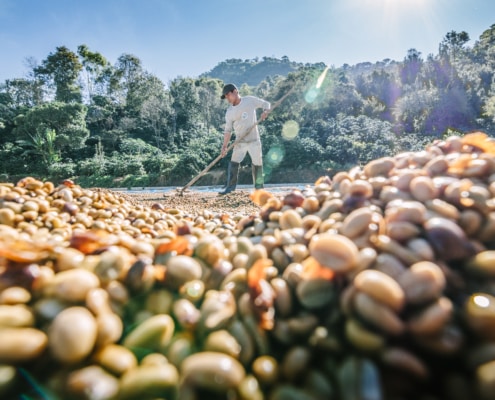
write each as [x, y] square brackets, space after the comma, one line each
[377, 283]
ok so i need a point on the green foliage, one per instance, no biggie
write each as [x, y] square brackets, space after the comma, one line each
[12, 160]
[453, 43]
[412, 142]
[301, 152]
[186, 111]
[76, 115]
[452, 110]
[104, 181]
[62, 68]
[412, 109]
[66, 121]
[136, 181]
[252, 72]
[122, 164]
[163, 172]
[489, 108]
[59, 171]
[23, 93]
[93, 64]
[201, 151]
[342, 151]
[358, 140]
[40, 146]
[89, 167]
[138, 147]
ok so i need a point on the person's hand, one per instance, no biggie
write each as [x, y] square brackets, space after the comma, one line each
[224, 151]
[264, 114]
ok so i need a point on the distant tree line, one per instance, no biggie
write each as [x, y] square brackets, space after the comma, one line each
[77, 116]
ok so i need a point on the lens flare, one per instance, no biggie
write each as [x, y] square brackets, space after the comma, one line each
[321, 78]
[312, 93]
[275, 156]
[290, 130]
[481, 301]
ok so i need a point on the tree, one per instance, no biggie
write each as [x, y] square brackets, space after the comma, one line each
[411, 67]
[358, 140]
[452, 44]
[301, 151]
[186, 107]
[126, 72]
[41, 145]
[140, 126]
[66, 121]
[412, 110]
[484, 48]
[102, 121]
[484, 54]
[211, 110]
[24, 92]
[384, 85]
[156, 111]
[93, 64]
[489, 108]
[451, 109]
[62, 68]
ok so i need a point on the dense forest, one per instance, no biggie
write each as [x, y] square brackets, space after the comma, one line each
[77, 116]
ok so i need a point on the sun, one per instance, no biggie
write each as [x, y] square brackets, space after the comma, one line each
[391, 17]
[399, 5]
[396, 8]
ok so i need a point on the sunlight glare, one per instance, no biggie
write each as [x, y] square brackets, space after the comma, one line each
[481, 301]
[392, 19]
[321, 78]
[395, 12]
[397, 5]
[312, 93]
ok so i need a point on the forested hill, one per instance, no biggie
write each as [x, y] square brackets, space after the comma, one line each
[252, 72]
[78, 116]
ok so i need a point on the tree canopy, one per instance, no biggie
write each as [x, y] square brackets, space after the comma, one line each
[81, 117]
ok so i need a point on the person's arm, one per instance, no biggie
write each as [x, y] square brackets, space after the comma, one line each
[266, 109]
[226, 140]
[227, 132]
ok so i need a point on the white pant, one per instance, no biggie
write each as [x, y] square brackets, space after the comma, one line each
[254, 150]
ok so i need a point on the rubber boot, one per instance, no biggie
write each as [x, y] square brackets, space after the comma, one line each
[232, 174]
[258, 178]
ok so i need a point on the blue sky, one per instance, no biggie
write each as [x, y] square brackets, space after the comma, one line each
[188, 37]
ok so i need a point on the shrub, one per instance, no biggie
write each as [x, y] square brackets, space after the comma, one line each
[61, 170]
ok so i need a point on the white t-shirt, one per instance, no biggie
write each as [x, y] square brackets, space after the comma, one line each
[242, 117]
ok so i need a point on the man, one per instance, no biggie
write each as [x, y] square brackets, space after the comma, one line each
[240, 117]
